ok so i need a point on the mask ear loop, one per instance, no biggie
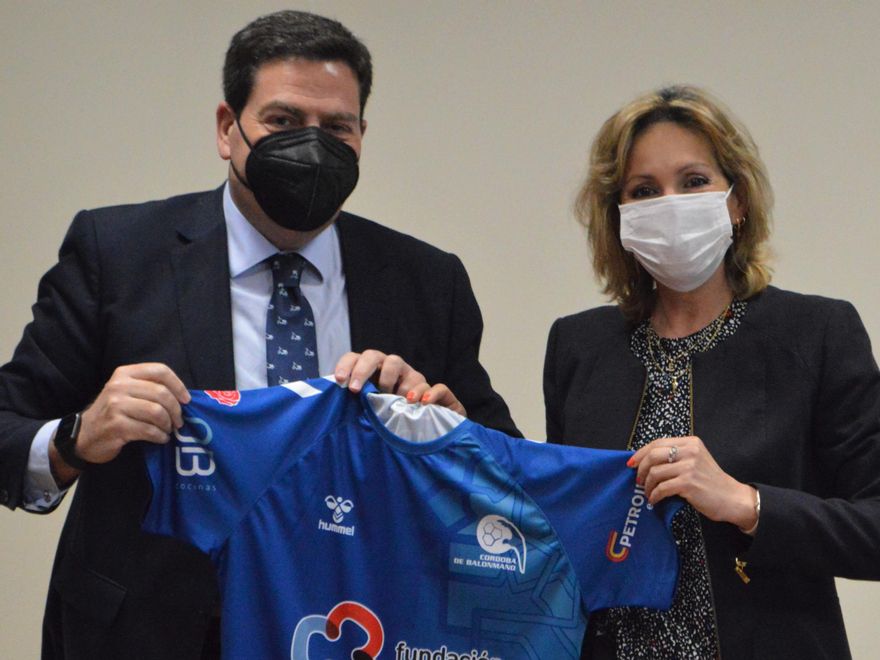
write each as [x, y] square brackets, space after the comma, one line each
[250, 146]
[736, 224]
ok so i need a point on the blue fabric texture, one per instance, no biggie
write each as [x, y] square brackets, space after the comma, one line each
[332, 535]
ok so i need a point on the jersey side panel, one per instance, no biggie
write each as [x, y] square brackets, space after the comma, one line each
[229, 449]
[621, 547]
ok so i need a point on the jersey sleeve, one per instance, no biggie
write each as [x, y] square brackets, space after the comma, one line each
[231, 448]
[621, 547]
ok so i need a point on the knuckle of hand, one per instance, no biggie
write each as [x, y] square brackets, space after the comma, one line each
[158, 414]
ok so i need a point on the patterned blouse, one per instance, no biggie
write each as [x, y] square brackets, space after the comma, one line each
[689, 628]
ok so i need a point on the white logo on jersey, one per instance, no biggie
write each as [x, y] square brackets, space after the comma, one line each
[191, 461]
[495, 534]
[338, 506]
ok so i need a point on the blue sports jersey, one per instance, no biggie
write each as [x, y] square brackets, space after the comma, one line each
[334, 537]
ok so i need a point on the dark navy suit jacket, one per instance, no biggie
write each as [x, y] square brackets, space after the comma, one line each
[789, 403]
[150, 282]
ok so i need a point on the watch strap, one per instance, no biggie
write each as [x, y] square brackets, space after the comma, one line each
[65, 441]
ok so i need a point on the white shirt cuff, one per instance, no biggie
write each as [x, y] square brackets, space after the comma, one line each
[40, 492]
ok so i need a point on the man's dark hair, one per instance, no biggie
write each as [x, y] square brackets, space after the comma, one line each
[286, 35]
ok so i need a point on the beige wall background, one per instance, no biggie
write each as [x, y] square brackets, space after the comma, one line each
[480, 120]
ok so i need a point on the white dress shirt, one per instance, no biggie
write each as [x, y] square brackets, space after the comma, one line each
[250, 284]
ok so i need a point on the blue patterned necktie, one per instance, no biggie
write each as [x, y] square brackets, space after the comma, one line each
[291, 340]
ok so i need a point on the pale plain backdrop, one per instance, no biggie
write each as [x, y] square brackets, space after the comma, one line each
[479, 124]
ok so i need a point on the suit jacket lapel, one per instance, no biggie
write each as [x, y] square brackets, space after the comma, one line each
[201, 271]
[367, 281]
[615, 396]
[730, 394]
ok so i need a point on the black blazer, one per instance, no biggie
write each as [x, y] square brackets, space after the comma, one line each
[150, 282]
[789, 403]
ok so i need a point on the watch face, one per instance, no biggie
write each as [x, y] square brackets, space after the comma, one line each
[65, 441]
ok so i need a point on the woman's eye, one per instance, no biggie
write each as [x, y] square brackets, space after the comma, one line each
[641, 192]
[697, 181]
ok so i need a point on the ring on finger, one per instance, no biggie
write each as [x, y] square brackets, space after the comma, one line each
[673, 454]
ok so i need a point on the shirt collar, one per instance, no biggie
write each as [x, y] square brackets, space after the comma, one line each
[248, 248]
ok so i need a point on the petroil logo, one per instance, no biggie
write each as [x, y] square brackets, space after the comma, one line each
[619, 543]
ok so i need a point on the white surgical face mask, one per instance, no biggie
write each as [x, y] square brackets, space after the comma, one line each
[679, 239]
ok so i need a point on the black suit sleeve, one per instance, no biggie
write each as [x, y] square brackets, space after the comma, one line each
[552, 404]
[841, 523]
[465, 376]
[52, 371]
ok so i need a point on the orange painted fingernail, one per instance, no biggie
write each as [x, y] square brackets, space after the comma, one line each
[638, 481]
[631, 462]
[411, 396]
[425, 397]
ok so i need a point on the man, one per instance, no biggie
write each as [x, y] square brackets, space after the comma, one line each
[200, 291]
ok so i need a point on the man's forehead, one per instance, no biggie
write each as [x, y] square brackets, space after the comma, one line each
[302, 66]
[327, 79]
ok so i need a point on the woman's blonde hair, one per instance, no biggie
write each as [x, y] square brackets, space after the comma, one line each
[625, 281]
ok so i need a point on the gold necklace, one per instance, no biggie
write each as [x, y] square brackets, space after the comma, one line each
[677, 364]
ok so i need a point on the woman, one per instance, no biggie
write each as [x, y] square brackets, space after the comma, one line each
[759, 407]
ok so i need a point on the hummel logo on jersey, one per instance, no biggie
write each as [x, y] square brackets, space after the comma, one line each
[339, 506]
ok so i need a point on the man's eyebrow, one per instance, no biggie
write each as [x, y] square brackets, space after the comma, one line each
[278, 105]
[343, 116]
[298, 113]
